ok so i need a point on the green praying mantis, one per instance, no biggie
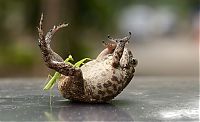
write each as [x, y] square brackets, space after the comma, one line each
[49, 85]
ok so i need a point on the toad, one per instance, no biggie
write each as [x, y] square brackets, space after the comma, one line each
[99, 80]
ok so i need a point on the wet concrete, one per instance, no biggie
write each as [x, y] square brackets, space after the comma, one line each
[145, 99]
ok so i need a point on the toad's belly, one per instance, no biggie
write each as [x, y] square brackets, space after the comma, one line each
[102, 81]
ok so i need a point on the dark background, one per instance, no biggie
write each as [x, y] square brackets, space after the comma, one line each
[165, 41]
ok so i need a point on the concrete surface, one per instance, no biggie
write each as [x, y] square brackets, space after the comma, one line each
[145, 99]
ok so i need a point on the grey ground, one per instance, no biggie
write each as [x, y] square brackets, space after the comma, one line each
[145, 99]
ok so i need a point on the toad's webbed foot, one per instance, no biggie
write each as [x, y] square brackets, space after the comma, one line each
[52, 59]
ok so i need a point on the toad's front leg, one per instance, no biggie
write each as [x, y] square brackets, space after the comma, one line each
[52, 59]
[118, 52]
[110, 47]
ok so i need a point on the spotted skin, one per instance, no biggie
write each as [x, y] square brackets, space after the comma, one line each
[99, 80]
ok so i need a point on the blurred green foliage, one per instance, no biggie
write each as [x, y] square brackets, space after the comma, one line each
[89, 20]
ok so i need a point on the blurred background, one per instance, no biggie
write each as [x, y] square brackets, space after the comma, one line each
[165, 41]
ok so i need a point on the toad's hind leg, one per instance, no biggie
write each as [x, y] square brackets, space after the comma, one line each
[117, 54]
[52, 59]
[73, 86]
